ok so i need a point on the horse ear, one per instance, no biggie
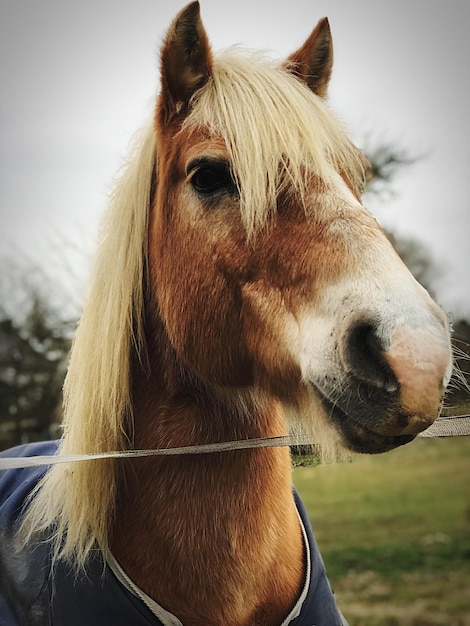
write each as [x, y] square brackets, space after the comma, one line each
[313, 62]
[186, 61]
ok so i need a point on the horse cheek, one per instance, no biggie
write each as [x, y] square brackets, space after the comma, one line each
[269, 329]
[214, 341]
[201, 313]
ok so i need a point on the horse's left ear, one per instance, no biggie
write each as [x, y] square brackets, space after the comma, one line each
[313, 62]
[186, 61]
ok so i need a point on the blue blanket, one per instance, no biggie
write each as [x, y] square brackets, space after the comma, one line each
[34, 594]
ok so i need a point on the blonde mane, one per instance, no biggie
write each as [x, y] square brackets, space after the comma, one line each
[79, 500]
[293, 132]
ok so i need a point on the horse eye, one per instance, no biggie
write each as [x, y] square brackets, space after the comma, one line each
[209, 179]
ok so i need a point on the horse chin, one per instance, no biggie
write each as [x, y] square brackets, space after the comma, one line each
[359, 438]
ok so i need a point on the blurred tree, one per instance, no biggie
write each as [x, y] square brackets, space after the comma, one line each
[33, 357]
[386, 161]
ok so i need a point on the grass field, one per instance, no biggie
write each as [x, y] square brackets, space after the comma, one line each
[394, 532]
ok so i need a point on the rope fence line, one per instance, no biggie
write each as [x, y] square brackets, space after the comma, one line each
[456, 426]
[449, 426]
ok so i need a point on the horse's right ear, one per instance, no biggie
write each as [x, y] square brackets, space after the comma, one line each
[186, 62]
[313, 62]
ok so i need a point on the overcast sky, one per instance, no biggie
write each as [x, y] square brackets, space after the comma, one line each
[78, 78]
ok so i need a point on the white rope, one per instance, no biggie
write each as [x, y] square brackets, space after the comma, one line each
[443, 427]
[262, 442]
[453, 426]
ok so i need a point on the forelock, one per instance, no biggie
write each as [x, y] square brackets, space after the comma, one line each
[275, 130]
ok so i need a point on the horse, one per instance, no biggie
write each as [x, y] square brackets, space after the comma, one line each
[240, 288]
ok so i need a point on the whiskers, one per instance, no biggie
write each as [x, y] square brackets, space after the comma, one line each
[458, 389]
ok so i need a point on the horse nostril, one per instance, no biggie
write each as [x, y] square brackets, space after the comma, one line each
[363, 354]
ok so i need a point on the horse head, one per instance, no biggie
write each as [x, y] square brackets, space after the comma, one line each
[266, 270]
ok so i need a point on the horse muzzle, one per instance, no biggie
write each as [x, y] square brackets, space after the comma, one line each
[391, 382]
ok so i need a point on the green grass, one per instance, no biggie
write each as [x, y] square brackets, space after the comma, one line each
[394, 532]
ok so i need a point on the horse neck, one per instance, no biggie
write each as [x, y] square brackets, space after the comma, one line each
[223, 525]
